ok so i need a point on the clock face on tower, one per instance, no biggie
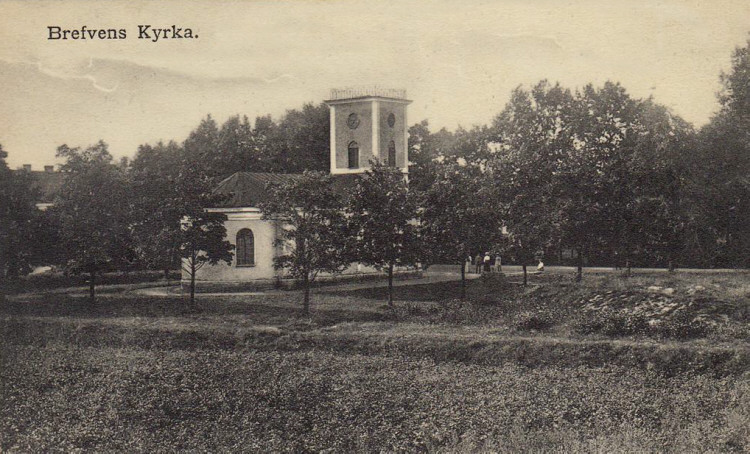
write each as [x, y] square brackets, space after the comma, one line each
[353, 121]
[391, 119]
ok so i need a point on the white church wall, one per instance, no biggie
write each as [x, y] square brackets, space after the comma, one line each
[261, 273]
[264, 233]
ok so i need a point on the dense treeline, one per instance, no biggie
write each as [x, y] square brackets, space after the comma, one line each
[587, 176]
[596, 176]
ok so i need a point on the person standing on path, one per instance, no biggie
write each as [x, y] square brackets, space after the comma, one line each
[478, 264]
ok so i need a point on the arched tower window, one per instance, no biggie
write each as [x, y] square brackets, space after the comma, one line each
[392, 154]
[353, 155]
[245, 248]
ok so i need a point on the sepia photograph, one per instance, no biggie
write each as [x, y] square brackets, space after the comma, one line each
[350, 226]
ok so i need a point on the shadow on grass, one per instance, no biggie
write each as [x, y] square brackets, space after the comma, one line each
[419, 292]
[272, 309]
[485, 290]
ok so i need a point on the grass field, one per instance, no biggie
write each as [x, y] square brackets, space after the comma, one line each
[650, 363]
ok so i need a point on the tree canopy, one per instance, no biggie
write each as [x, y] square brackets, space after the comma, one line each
[92, 213]
[313, 236]
[382, 215]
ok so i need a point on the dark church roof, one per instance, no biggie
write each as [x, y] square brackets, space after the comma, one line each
[248, 189]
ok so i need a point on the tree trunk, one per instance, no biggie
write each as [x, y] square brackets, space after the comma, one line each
[671, 266]
[92, 284]
[306, 299]
[463, 280]
[525, 279]
[390, 286]
[192, 282]
[627, 267]
[579, 271]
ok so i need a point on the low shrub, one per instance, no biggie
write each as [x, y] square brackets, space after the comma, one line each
[681, 325]
[537, 321]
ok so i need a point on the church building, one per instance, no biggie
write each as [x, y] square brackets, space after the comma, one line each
[366, 125]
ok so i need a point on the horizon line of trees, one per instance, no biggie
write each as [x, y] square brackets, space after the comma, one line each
[591, 176]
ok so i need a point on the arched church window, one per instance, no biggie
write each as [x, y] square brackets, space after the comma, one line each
[353, 155]
[245, 248]
[392, 154]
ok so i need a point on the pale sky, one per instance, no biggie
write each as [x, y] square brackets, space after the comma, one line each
[458, 61]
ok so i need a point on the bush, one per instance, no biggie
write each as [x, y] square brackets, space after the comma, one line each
[681, 325]
[538, 321]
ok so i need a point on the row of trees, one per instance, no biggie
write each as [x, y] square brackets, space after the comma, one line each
[297, 142]
[127, 215]
[605, 177]
[113, 216]
[593, 173]
[325, 232]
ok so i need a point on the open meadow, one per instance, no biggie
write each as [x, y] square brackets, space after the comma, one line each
[654, 362]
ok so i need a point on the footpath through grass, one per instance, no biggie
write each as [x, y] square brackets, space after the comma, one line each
[611, 365]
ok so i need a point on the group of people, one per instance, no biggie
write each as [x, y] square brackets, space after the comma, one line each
[487, 263]
[490, 263]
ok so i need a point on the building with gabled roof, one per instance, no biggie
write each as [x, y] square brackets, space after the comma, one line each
[366, 124]
[46, 183]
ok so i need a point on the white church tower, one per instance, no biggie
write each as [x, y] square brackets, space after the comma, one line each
[368, 124]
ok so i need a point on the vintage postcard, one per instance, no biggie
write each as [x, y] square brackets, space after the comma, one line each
[374, 226]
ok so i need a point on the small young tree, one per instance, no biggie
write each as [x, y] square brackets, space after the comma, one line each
[382, 220]
[313, 226]
[202, 237]
[91, 212]
[202, 241]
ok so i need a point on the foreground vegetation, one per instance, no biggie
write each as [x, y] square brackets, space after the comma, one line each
[510, 369]
[108, 398]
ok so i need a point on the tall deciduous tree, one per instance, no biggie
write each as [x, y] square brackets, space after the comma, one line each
[91, 212]
[202, 148]
[382, 218]
[534, 133]
[18, 217]
[236, 151]
[423, 156]
[721, 172]
[313, 228]
[460, 216]
[155, 218]
[658, 174]
[302, 140]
